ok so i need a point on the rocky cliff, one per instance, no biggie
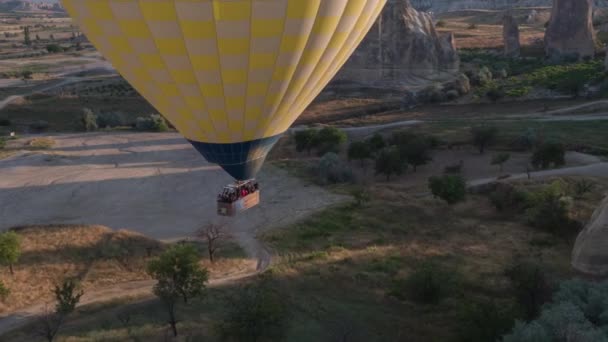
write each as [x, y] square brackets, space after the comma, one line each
[439, 6]
[402, 48]
[570, 34]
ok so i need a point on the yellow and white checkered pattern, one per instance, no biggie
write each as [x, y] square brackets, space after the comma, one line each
[226, 71]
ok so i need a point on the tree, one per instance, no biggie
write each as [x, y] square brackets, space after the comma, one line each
[212, 233]
[484, 136]
[67, 296]
[359, 150]
[257, 313]
[450, 188]
[53, 48]
[178, 274]
[10, 249]
[500, 159]
[329, 139]
[532, 288]
[26, 36]
[376, 143]
[416, 152]
[37, 38]
[549, 153]
[389, 162]
[4, 291]
[305, 140]
[52, 37]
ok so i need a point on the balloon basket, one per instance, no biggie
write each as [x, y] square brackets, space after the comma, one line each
[238, 206]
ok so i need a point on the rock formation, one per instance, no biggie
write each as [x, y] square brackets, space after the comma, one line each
[590, 254]
[510, 35]
[570, 34]
[402, 45]
[439, 6]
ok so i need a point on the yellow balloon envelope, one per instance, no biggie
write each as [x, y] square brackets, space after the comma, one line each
[230, 75]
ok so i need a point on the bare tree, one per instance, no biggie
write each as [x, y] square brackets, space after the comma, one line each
[49, 323]
[212, 234]
[67, 296]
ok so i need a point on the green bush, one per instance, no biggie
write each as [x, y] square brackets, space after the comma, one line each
[549, 154]
[500, 159]
[519, 91]
[578, 312]
[329, 139]
[359, 150]
[581, 187]
[429, 283]
[376, 143]
[549, 210]
[484, 320]
[416, 152]
[306, 139]
[110, 119]
[332, 170]
[54, 48]
[472, 26]
[484, 136]
[495, 93]
[10, 249]
[361, 196]
[257, 313]
[531, 285]
[508, 198]
[4, 291]
[450, 188]
[154, 123]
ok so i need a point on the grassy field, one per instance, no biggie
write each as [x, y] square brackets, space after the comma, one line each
[340, 271]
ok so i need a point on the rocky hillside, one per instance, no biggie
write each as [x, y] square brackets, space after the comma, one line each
[439, 6]
[402, 48]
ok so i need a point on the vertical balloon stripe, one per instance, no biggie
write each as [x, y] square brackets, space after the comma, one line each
[227, 71]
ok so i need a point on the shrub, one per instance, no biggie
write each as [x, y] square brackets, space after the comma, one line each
[389, 162]
[257, 313]
[429, 283]
[548, 154]
[89, 120]
[305, 140]
[506, 197]
[329, 139]
[472, 26]
[10, 249]
[359, 150]
[581, 187]
[376, 143]
[154, 123]
[577, 313]
[484, 320]
[54, 48]
[484, 136]
[361, 196]
[416, 152]
[332, 170]
[39, 125]
[532, 288]
[450, 188]
[5, 122]
[495, 93]
[110, 119]
[530, 139]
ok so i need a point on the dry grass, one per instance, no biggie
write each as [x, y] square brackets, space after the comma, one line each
[41, 143]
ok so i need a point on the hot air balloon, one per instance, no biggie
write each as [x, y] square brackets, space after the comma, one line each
[230, 75]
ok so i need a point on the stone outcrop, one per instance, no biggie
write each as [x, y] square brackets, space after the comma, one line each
[570, 34]
[403, 45]
[590, 254]
[510, 35]
[439, 6]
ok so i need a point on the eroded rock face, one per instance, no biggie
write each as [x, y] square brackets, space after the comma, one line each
[570, 34]
[439, 6]
[402, 45]
[510, 35]
[590, 254]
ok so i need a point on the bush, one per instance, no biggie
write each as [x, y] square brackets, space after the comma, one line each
[305, 140]
[495, 93]
[361, 196]
[483, 321]
[450, 188]
[440, 23]
[500, 159]
[10, 249]
[551, 213]
[40, 125]
[416, 152]
[532, 288]
[257, 313]
[548, 154]
[429, 283]
[376, 143]
[577, 313]
[54, 48]
[506, 197]
[581, 187]
[472, 26]
[359, 150]
[154, 123]
[332, 170]
[5, 122]
[89, 120]
[389, 162]
[528, 140]
[110, 119]
[329, 139]
[4, 291]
